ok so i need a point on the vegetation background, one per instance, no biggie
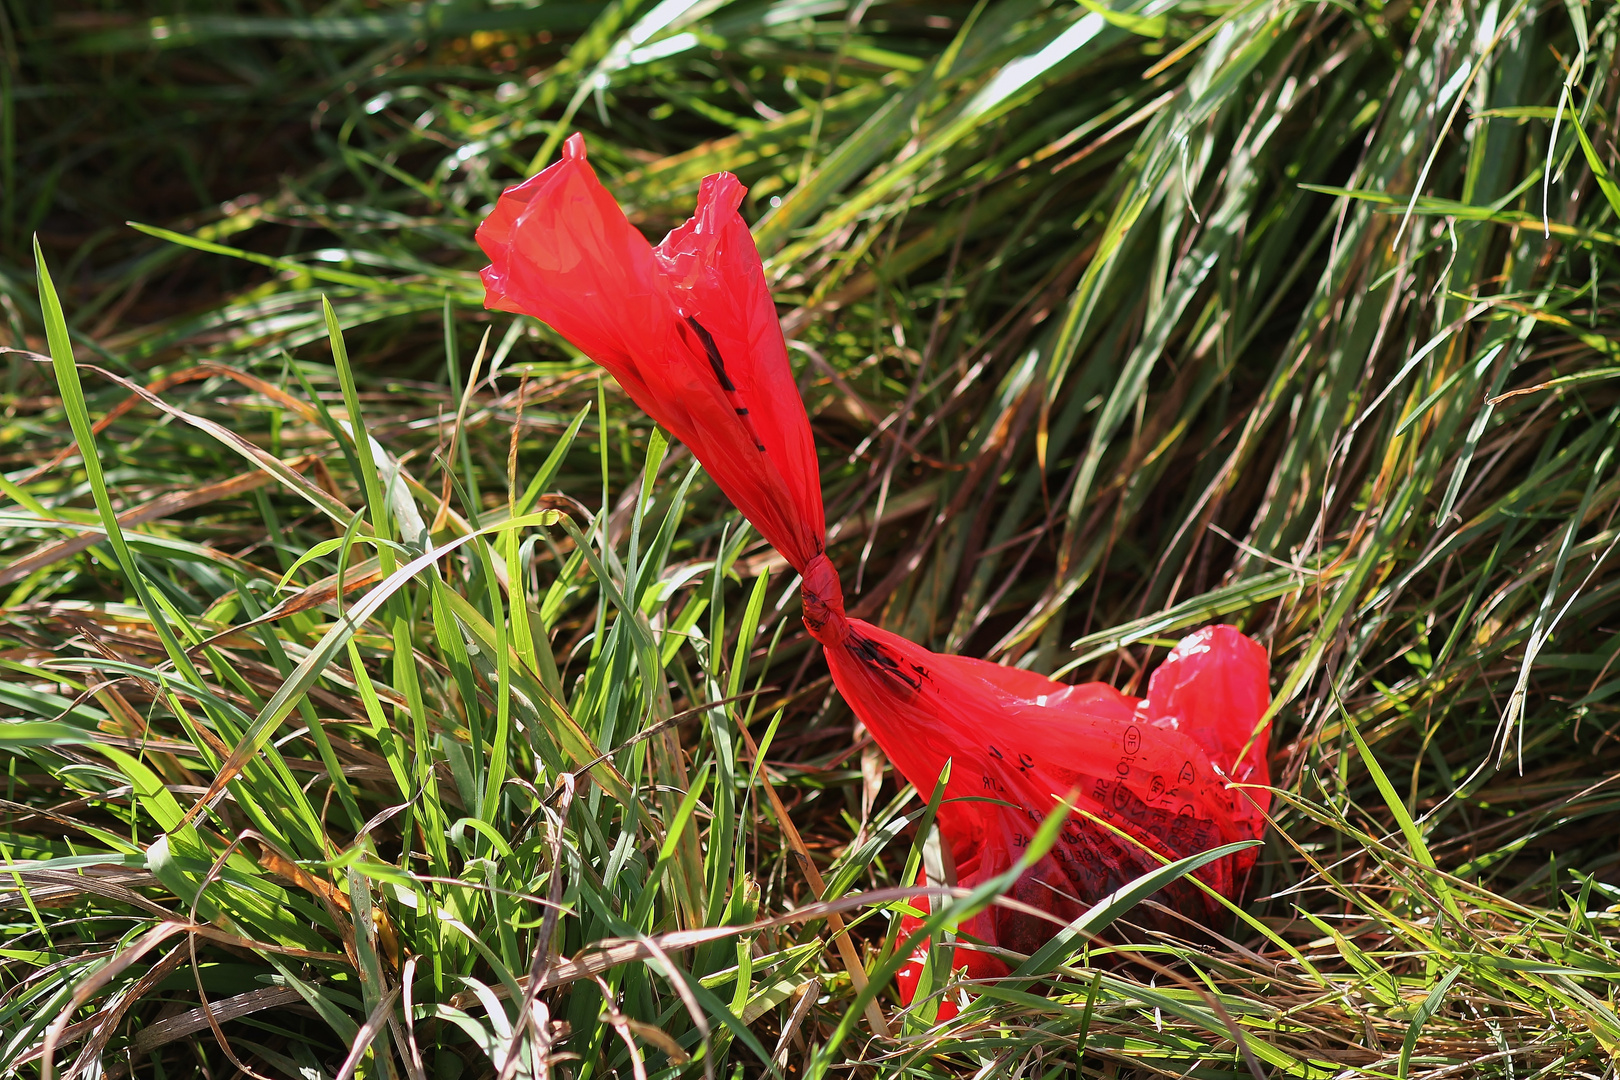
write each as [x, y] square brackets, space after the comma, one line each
[382, 694]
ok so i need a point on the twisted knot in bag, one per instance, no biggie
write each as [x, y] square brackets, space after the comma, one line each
[823, 596]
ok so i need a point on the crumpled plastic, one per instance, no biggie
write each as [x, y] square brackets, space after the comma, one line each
[689, 330]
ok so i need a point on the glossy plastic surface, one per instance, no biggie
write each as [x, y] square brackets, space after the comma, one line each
[689, 330]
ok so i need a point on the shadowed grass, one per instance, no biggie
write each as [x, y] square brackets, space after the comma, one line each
[383, 693]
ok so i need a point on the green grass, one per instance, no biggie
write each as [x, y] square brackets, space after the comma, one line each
[370, 663]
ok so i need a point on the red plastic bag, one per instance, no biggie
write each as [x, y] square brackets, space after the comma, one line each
[690, 332]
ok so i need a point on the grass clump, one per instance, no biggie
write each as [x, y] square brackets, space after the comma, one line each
[383, 695]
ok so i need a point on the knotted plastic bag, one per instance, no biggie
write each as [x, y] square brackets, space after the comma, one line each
[689, 330]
